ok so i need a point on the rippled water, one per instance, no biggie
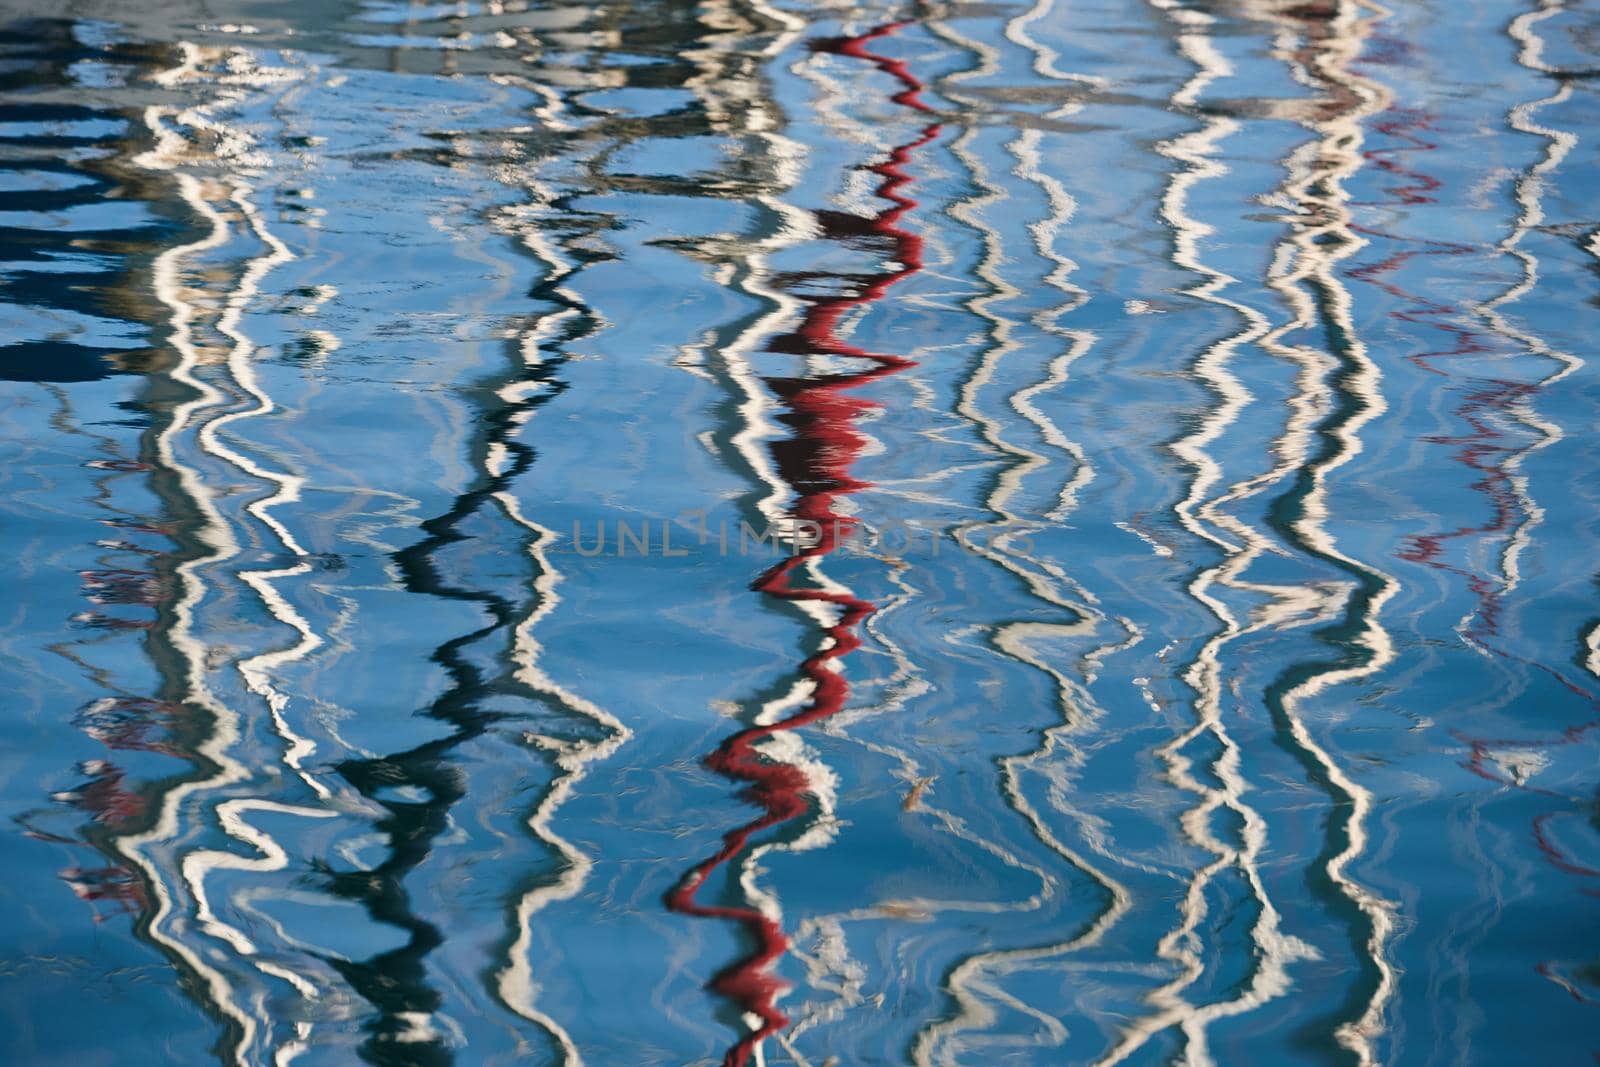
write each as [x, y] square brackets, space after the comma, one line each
[1181, 643]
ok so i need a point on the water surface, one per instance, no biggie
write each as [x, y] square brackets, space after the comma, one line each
[746, 532]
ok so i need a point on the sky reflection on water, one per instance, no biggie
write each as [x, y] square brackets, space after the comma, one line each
[1180, 645]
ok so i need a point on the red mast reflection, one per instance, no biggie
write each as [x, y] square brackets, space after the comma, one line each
[815, 462]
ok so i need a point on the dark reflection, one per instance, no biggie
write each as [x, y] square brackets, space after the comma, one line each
[396, 983]
[74, 238]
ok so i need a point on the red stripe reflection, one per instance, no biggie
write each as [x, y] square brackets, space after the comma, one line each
[815, 462]
[1484, 450]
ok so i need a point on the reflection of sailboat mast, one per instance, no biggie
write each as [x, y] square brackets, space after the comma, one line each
[816, 464]
[149, 849]
[515, 983]
[1240, 545]
[1332, 37]
[723, 73]
[973, 982]
[397, 982]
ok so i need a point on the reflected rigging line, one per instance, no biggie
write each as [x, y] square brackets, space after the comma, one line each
[1352, 396]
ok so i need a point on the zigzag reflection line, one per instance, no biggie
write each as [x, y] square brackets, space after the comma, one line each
[1045, 57]
[515, 981]
[784, 784]
[758, 426]
[1529, 193]
[167, 282]
[1529, 190]
[1324, 240]
[968, 982]
[1045, 232]
[167, 155]
[256, 670]
[905, 685]
[1241, 546]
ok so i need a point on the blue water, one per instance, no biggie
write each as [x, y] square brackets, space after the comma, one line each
[799, 534]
